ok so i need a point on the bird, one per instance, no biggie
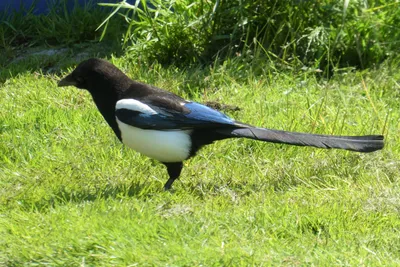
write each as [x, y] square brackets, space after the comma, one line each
[165, 127]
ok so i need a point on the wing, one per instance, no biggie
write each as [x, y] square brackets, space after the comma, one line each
[157, 116]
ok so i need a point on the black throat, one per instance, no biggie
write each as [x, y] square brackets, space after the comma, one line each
[106, 105]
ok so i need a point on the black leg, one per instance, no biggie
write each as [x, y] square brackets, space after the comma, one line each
[174, 170]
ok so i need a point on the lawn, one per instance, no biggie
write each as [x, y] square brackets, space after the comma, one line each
[72, 195]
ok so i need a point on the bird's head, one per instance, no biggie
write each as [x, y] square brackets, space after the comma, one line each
[93, 75]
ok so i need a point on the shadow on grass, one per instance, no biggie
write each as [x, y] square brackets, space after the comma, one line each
[64, 35]
[64, 195]
[55, 60]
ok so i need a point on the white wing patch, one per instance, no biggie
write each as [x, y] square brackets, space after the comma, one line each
[135, 105]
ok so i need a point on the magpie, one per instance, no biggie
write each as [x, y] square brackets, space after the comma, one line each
[170, 129]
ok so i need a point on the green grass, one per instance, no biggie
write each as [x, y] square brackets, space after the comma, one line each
[24, 30]
[71, 195]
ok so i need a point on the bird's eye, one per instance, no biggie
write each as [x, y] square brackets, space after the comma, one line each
[79, 79]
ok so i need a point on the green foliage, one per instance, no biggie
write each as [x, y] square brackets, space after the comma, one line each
[316, 33]
[166, 31]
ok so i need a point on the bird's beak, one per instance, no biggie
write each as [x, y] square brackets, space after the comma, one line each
[67, 81]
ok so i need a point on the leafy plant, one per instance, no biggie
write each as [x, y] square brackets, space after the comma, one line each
[322, 34]
[167, 31]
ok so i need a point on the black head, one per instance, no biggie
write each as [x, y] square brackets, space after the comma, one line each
[93, 74]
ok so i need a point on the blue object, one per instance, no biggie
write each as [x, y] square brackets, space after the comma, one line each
[43, 6]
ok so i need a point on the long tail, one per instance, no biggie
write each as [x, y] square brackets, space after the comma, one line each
[368, 143]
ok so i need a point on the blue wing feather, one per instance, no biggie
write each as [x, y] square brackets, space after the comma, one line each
[199, 116]
[204, 113]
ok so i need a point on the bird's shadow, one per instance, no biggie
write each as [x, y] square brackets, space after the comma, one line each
[64, 195]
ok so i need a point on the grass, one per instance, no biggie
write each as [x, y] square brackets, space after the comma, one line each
[71, 195]
[24, 30]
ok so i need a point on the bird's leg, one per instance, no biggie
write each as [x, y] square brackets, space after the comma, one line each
[174, 170]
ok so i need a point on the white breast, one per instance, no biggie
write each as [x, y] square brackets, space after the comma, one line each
[164, 146]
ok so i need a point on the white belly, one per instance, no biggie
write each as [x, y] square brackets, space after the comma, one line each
[164, 146]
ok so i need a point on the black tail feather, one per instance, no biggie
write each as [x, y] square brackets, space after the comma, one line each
[368, 143]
